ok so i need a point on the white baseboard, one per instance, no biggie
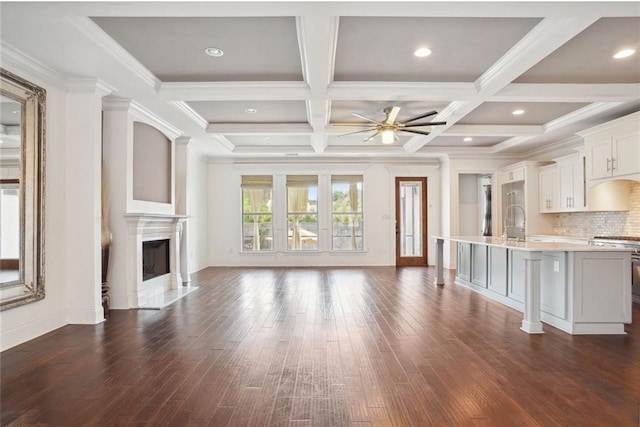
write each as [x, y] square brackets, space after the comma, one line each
[30, 330]
[85, 316]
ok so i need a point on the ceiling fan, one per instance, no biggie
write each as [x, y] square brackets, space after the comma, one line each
[389, 126]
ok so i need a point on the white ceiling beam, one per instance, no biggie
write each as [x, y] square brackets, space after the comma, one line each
[383, 91]
[259, 129]
[274, 149]
[553, 92]
[494, 130]
[234, 91]
[594, 109]
[317, 36]
[543, 39]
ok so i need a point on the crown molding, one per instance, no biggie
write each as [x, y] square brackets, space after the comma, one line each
[114, 103]
[183, 140]
[224, 141]
[20, 63]
[573, 142]
[94, 33]
[93, 85]
[191, 113]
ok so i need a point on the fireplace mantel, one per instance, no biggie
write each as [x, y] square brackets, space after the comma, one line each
[163, 290]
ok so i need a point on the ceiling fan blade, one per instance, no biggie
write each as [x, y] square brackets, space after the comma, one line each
[420, 116]
[370, 137]
[366, 118]
[419, 132]
[358, 131]
[392, 114]
[426, 124]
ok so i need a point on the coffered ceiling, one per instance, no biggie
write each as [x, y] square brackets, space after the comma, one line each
[292, 73]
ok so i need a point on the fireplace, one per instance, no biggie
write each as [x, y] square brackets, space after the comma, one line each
[146, 272]
[155, 258]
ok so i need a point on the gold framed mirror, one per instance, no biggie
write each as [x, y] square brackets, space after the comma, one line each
[22, 161]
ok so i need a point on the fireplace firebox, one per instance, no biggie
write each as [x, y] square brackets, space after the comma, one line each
[155, 258]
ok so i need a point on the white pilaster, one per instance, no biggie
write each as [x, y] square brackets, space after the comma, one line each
[83, 216]
[182, 202]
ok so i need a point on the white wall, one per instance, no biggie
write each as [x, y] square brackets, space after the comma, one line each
[451, 215]
[198, 211]
[379, 212]
[23, 323]
[469, 208]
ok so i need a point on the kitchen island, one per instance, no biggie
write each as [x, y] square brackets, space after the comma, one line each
[577, 288]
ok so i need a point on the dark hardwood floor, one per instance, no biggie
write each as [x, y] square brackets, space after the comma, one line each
[325, 347]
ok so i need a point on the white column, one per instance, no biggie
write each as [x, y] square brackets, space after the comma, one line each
[118, 164]
[531, 320]
[182, 203]
[83, 214]
[439, 262]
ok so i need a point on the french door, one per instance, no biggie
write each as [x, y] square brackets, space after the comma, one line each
[411, 221]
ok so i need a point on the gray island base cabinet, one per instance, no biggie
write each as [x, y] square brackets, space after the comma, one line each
[577, 288]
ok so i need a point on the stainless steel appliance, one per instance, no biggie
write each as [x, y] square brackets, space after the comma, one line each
[486, 207]
[631, 242]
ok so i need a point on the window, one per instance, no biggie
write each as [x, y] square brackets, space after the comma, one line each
[302, 212]
[347, 212]
[257, 218]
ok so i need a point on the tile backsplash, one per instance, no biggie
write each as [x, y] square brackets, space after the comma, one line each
[588, 224]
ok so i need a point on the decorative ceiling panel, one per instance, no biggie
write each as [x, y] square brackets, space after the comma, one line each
[535, 113]
[255, 49]
[241, 111]
[381, 48]
[588, 57]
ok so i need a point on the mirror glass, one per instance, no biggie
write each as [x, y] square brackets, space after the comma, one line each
[21, 191]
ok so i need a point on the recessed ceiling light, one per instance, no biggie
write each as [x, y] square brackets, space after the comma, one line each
[250, 110]
[422, 52]
[624, 53]
[267, 138]
[214, 51]
[468, 139]
[518, 112]
[16, 111]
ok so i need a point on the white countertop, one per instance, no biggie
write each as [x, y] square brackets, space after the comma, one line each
[532, 246]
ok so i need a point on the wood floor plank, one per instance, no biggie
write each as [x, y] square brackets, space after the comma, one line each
[371, 346]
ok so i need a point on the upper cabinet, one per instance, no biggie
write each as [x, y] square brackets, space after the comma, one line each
[613, 149]
[563, 185]
[572, 184]
[520, 200]
[549, 193]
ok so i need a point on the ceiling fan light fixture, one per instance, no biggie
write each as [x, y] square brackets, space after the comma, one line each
[216, 52]
[387, 136]
[624, 53]
[422, 52]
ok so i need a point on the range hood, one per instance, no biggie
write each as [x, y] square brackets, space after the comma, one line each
[610, 195]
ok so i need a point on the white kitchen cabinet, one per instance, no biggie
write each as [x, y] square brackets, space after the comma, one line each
[479, 265]
[497, 277]
[512, 174]
[464, 261]
[613, 148]
[519, 199]
[572, 184]
[553, 289]
[549, 194]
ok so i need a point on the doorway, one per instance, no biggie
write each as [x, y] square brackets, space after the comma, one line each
[411, 221]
